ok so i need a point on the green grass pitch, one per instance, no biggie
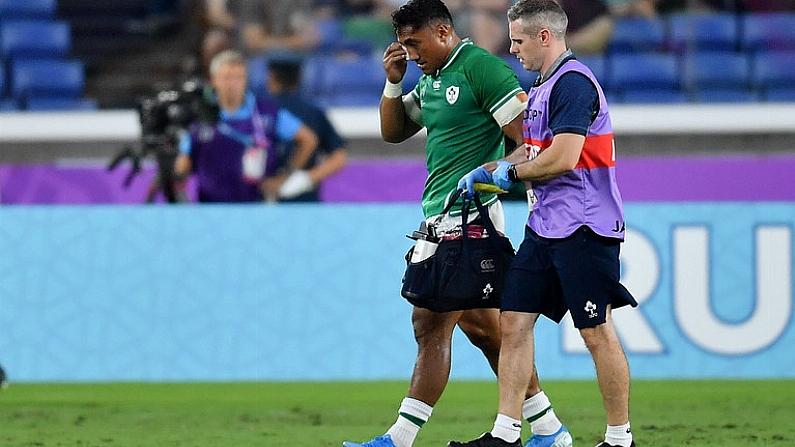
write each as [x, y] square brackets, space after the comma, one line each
[664, 413]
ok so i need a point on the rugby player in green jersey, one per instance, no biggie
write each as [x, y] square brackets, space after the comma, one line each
[468, 100]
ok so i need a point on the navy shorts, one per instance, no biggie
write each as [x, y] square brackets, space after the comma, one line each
[578, 274]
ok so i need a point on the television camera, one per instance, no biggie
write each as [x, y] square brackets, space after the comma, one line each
[164, 117]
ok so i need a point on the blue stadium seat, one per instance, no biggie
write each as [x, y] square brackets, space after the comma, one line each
[412, 76]
[258, 74]
[782, 94]
[52, 103]
[721, 71]
[8, 105]
[27, 9]
[637, 34]
[312, 75]
[34, 38]
[598, 66]
[654, 96]
[768, 31]
[47, 77]
[704, 32]
[526, 78]
[773, 71]
[633, 73]
[352, 82]
[713, 95]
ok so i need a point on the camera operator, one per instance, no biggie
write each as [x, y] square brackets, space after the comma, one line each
[237, 159]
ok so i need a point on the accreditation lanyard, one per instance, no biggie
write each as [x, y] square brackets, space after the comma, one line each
[258, 139]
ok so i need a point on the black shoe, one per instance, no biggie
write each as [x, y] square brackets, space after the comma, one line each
[605, 444]
[486, 440]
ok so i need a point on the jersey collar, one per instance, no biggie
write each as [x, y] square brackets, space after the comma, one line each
[244, 112]
[454, 55]
[554, 67]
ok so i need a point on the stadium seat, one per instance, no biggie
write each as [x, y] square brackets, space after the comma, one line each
[654, 96]
[47, 77]
[718, 95]
[27, 9]
[526, 78]
[768, 31]
[598, 66]
[352, 82]
[52, 103]
[412, 76]
[779, 94]
[773, 70]
[34, 38]
[637, 34]
[721, 71]
[258, 74]
[8, 105]
[703, 32]
[632, 73]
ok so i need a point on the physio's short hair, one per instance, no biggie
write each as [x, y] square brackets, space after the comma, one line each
[538, 14]
[417, 14]
[226, 57]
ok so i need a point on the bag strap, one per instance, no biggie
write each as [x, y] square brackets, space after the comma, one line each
[484, 215]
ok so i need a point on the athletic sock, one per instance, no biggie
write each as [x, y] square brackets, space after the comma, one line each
[412, 415]
[507, 428]
[538, 411]
[619, 435]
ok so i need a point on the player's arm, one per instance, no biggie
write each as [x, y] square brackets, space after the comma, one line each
[396, 125]
[306, 141]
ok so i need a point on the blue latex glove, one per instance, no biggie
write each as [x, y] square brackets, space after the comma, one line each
[500, 175]
[467, 182]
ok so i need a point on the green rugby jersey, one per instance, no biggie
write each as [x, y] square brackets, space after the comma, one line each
[464, 106]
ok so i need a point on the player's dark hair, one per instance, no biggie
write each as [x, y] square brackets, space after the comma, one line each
[417, 14]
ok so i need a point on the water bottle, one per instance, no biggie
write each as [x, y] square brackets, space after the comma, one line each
[426, 244]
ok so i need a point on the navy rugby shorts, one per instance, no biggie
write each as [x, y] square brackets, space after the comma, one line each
[578, 274]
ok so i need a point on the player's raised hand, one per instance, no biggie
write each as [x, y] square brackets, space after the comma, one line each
[395, 60]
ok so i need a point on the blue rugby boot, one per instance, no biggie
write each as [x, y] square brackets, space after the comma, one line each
[561, 438]
[380, 441]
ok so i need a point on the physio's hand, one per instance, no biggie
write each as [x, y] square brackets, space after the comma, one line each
[296, 184]
[467, 182]
[500, 175]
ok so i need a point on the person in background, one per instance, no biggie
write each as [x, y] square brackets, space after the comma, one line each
[283, 86]
[483, 21]
[468, 100]
[568, 261]
[266, 26]
[236, 159]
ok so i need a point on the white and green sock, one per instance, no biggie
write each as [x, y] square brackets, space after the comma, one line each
[412, 415]
[619, 435]
[507, 428]
[538, 411]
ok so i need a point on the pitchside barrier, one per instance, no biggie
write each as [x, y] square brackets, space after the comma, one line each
[311, 292]
[251, 292]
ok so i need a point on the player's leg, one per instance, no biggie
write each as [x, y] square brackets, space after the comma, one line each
[433, 333]
[482, 328]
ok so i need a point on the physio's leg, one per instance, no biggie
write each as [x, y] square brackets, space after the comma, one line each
[482, 327]
[612, 369]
